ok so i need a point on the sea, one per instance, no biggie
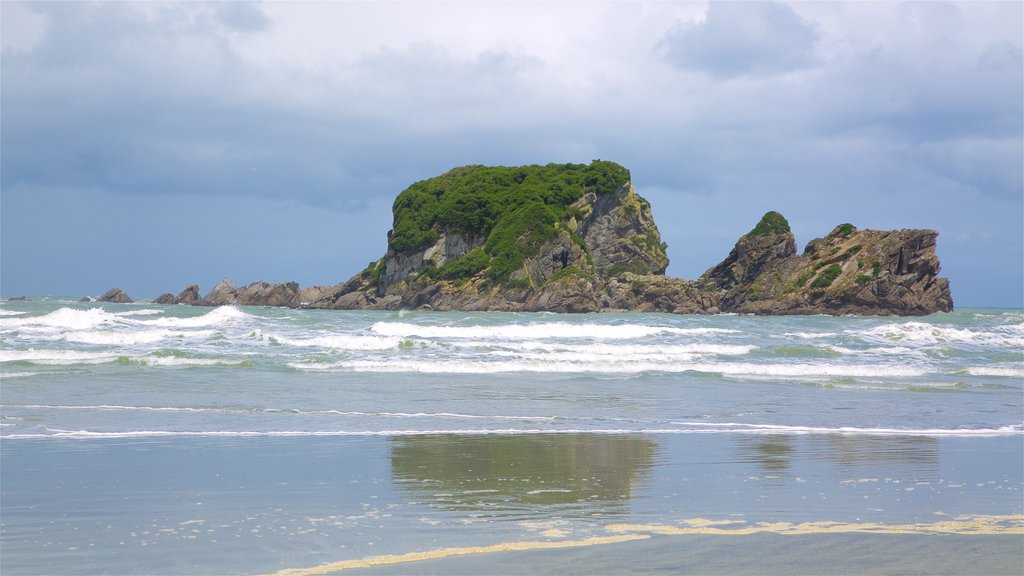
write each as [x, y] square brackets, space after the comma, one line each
[150, 439]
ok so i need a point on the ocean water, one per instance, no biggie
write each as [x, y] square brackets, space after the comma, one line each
[146, 439]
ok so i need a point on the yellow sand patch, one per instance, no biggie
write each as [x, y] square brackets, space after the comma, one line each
[449, 552]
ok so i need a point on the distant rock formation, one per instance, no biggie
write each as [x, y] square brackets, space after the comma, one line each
[577, 238]
[190, 295]
[259, 293]
[115, 296]
[849, 271]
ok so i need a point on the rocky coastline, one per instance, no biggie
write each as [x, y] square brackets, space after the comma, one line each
[600, 250]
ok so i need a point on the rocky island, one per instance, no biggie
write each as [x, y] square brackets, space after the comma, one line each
[578, 238]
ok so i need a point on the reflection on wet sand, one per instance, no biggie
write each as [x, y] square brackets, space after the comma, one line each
[523, 475]
[917, 456]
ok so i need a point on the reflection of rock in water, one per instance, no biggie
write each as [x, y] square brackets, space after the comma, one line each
[776, 452]
[772, 452]
[910, 450]
[521, 474]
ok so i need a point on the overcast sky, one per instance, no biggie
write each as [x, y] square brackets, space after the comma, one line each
[148, 146]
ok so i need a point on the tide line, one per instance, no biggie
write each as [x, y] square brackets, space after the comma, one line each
[391, 559]
[961, 525]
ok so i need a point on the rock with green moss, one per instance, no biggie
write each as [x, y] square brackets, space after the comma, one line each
[849, 271]
[547, 237]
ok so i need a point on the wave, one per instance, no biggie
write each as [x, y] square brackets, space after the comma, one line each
[1009, 372]
[11, 312]
[621, 350]
[564, 365]
[1008, 335]
[809, 335]
[72, 357]
[535, 331]
[143, 312]
[68, 318]
[218, 316]
[725, 428]
[336, 341]
[245, 410]
[134, 337]
[58, 357]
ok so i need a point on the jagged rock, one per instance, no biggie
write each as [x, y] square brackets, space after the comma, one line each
[221, 294]
[762, 248]
[849, 271]
[190, 295]
[165, 298]
[263, 293]
[311, 294]
[20, 299]
[115, 296]
[85, 299]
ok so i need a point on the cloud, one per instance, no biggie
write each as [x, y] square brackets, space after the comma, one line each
[880, 114]
[741, 38]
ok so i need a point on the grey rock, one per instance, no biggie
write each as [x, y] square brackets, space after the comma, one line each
[115, 296]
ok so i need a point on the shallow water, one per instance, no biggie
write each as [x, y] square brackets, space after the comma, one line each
[142, 439]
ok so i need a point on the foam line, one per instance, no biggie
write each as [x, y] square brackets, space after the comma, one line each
[392, 559]
[967, 524]
[740, 429]
[962, 525]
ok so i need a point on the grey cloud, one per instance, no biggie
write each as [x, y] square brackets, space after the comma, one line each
[740, 38]
[242, 16]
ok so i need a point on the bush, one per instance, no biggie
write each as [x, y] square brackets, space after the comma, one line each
[844, 230]
[827, 276]
[771, 223]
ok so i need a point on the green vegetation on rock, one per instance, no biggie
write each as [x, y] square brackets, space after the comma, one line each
[827, 276]
[771, 223]
[473, 199]
[514, 209]
[844, 230]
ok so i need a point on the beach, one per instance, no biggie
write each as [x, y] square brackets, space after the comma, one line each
[142, 439]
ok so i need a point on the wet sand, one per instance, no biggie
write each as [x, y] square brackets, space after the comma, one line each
[755, 554]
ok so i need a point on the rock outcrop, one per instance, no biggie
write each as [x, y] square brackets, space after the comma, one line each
[849, 271]
[115, 296]
[578, 238]
[604, 253]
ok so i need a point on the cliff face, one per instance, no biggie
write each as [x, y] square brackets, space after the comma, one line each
[578, 238]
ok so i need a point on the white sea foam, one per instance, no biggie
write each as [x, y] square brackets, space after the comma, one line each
[624, 351]
[1011, 335]
[1007, 371]
[143, 312]
[810, 334]
[339, 341]
[250, 410]
[539, 331]
[177, 361]
[67, 318]
[130, 338]
[747, 429]
[11, 312]
[218, 316]
[563, 365]
[56, 357]
[71, 357]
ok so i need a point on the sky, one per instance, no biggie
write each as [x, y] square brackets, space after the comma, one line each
[149, 145]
